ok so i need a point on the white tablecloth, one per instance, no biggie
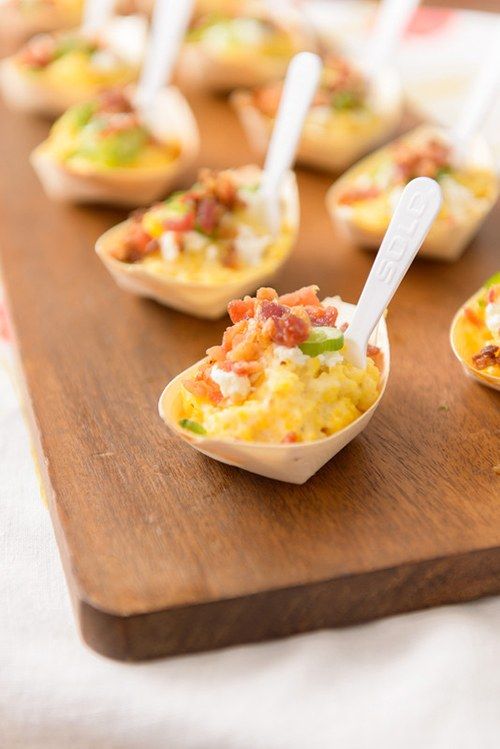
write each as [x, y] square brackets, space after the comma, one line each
[423, 681]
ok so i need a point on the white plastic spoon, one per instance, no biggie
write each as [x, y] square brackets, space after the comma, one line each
[417, 208]
[390, 24]
[481, 98]
[96, 14]
[170, 21]
[301, 82]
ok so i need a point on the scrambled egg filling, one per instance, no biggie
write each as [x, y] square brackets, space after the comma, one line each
[310, 400]
[211, 234]
[70, 61]
[98, 136]
[279, 375]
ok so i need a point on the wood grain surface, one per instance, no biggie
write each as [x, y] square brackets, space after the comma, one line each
[167, 551]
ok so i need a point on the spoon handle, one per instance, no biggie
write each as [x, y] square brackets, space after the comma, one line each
[300, 86]
[482, 96]
[390, 23]
[170, 21]
[410, 224]
[96, 14]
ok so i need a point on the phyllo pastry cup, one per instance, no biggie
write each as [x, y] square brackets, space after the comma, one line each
[334, 137]
[195, 287]
[361, 202]
[124, 180]
[290, 461]
[225, 52]
[53, 72]
[475, 334]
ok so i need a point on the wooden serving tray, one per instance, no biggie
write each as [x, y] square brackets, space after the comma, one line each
[168, 552]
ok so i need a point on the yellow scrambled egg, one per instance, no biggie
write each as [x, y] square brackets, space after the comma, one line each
[309, 400]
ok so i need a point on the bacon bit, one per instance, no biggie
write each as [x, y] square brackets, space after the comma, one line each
[119, 124]
[216, 353]
[288, 331]
[230, 259]
[421, 159]
[272, 309]
[247, 368]
[487, 357]
[39, 52]
[354, 194]
[114, 101]
[208, 214]
[220, 186]
[376, 355]
[241, 309]
[265, 293]
[290, 438]
[203, 386]
[319, 316]
[180, 223]
[493, 293]
[471, 316]
[308, 295]
[137, 245]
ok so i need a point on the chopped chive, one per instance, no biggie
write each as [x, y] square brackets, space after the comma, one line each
[193, 426]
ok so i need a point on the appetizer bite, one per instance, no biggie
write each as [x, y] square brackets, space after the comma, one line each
[350, 114]
[54, 71]
[225, 51]
[199, 248]
[361, 202]
[475, 334]
[20, 19]
[277, 397]
[108, 150]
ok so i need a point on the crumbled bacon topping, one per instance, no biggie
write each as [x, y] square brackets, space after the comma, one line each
[114, 101]
[487, 357]
[425, 159]
[257, 322]
[207, 202]
[138, 243]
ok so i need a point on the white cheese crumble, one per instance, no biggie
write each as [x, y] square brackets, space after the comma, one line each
[250, 246]
[492, 317]
[330, 358]
[194, 242]
[169, 246]
[231, 385]
[289, 354]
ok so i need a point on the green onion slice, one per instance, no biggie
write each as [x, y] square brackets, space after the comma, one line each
[193, 426]
[322, 339]
[493, 280]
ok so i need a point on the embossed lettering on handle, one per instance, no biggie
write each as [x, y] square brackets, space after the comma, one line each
[410, 224]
